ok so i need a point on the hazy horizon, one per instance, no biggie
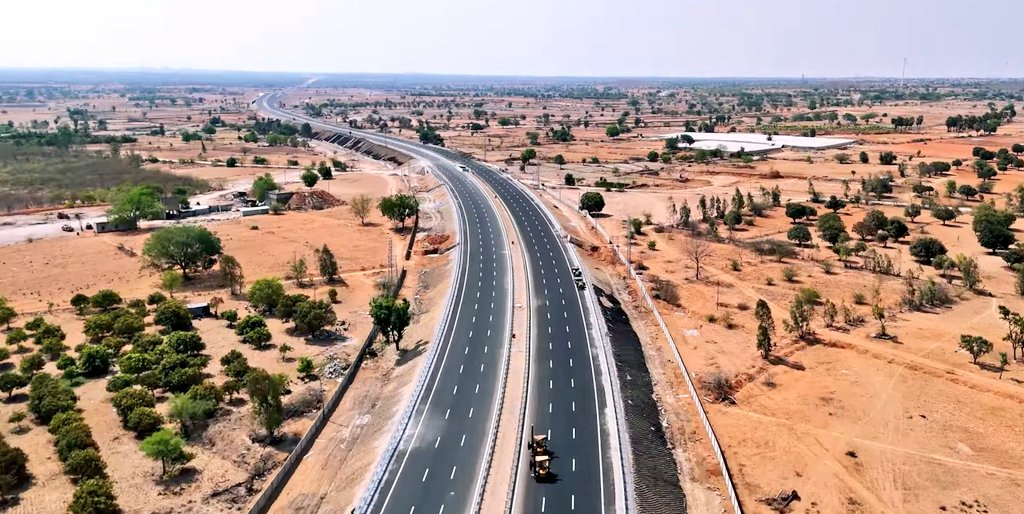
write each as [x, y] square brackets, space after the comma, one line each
[530, 38]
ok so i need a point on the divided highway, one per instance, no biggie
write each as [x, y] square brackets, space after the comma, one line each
[437, 466]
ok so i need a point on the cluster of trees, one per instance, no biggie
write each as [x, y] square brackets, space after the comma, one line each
[1005, 159]
[391, 316]
[267, 295]
[987, 123]
[901, 123]
[881, 228]
[732, 212]
[53, 403]
[428, 135]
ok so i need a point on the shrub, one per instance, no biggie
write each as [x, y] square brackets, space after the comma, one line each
[84, 464]
[119, 382]
[173, 316]
[207, 391]
[105, 299]
[13, 468]
[73, 437]
[48, 397]
[809, 295]
[127, 400]
[257, 337]
[80, 302]
[94, 361]
[185, 343]
[64, 419]
[718, 385]
[231, 316]
[144, 421]
[235, 365]
[94, 496]
[925, 249]
[166, 447]
[859, 298]
[265, 294]
[156, 298]
[789, 273]
[332, 295]
[138, 308]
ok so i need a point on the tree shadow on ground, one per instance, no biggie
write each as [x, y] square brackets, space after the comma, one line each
[408, 355]
[182, 476]
[285, 442]
[776, 360]
[984, 366]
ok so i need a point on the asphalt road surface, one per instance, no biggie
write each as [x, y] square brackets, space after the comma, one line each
[436, 469]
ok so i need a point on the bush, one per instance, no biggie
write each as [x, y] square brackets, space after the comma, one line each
[235, 365]
[63, 420]
[231, 316]
[173, 316]
[94, 496]
[156, 298]
[127, 400]
[185, 343]
[84, 464]
[925, 249]
[859, 299]
[809, 295]
[73, 437]
[138, 308]
[144, 421]
[718, 385]
[13, 468]
[207, 391]
[265, 294]
[94, 361]
[250, 323]
[105, 299]
[257, 337]
[48, 397]
[789, 273]
[119, 382]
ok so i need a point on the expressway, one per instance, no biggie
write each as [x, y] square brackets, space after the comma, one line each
[436, 468]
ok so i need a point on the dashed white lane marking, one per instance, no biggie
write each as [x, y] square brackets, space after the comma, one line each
[437, 442]
[543, 503]
[477, 389]
[446, 413]
[424, 479]
[456, 390]
[463, 440]
[452, 476]
[461, 366]
[471, 415]
[572, 382]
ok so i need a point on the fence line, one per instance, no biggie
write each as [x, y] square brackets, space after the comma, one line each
[273, 490]
[730, 488]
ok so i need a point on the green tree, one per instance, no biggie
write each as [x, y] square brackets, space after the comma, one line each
[173, 316]
[262, 185]
[327, 263]
[265, 392]
[799, 234]
[166, 447]
[171, 280]
[187, 412]
[309, 178]
[943, 213]
[136, 204]
[127, 400]
[398, 207]
[105, 299]
[265, 294]
[612, 130]
[305, 367]
[94, 496]
[311, 317]
[391, 317]
[927, 248]
[592, 202]
[144, 421]
[976, 346]
[231, 273]
[765, 327]
[800, 314]
[864, 158]
[30, 364]
[831, 228]
[190, 248]
[87, 463]
[912, 211]
[11, 381]
[80, 302]
[560, 161]
[94, 361]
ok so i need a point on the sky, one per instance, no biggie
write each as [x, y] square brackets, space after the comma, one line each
[664, 38]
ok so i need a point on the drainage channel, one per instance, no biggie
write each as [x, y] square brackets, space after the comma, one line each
[655, 475]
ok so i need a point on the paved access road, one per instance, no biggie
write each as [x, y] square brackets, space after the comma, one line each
[565, 399]
[438, 465]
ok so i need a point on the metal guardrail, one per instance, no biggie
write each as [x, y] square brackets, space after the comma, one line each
[273, 489]
[396, 437]
[730, 488]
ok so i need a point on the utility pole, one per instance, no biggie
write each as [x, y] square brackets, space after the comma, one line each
[903, 76]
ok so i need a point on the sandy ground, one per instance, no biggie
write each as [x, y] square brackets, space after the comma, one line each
[51, 270]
